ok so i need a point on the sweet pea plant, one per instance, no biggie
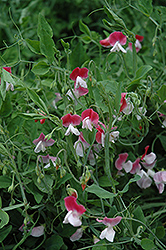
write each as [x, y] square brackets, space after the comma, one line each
[91, 173]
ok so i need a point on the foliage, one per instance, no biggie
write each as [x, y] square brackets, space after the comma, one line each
[42, 58]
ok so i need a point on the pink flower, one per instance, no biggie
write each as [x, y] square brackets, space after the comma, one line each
[123, 102]
[89, 119]
[109, 232]
[70, 121]
[115, 39]
[41, 143]
[77, 235]
[37, 231]
[74, 211]
[46, 159]
[145, 180]
[121, 163]
[81, 144]
[126, 106]
[160, 180]
[148, 161]
[100, 135]
[138, 46]
[136, 167]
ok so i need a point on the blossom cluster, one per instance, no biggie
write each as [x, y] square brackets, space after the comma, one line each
[75, 211]
[117, 39]
[148, 162]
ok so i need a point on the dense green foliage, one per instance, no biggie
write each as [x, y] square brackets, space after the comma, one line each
[43, 42]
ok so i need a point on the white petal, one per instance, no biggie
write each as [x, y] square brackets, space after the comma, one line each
[40, 147]
[86, 123]
[108, 233]
[77, 235]
[73, 218]
[121, 48]
[80, 82]
[72, 130]
[78, 148]
[127, 166]
[150, 158]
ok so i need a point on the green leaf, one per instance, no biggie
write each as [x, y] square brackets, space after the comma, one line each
[34, 45]
[138, 215]
[89, 136]
[4, 180]
[77, 58]
[32, 116]
[37, 100]
[45, 185]
[13, 207]
[126, 188]
[3, 89]
[113, 16]
[145, 6]
[40, 68]
[100, 192]
[6, 108]
[54, 242]
[4, 218]
[162, 93]
[147, 244]
[160, 232]
[118, 97]
[84, 28]
[141, 72]
[46, 42]
[4, 232]
[163, 141]
[112, 26]
[6, 77]
[3, 150]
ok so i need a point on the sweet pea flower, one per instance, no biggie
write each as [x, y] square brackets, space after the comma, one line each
[109, 232]
[100, 135]
[89, 119]
[81, 144]
[121, 163]
[160, 180]
[70, 121]
[138, 45]
[148, 160]
[74, 211]
[115, 40]
[46, 159]
[8, 85]
[77, 235]
[126, 105]
[41, 143]
[37, 231]
[164, 121]
[136, 167]
[145, 180]
[80, 86]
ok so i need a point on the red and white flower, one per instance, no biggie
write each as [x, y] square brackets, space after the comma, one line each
[115, 40]
[70, 121]
[126, 105]
[80, 86]
[42, 142]
[8, 85]
[121, 163]
[148, 160]
[89, 119]
[109, 232]
[136, 167]
[138, 45]
[46, 159]
[74, 211]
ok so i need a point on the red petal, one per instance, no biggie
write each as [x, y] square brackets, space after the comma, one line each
[74, 74]
[139, 38]
[66, 120]
[42, 121]
[75, 120]
[98, 137]
[83, 73]
[146, 150]
[117, 36]
[122, 158]
[123, 102]
[82, 91]
[71, 204]
[8, 69]
[105, 43]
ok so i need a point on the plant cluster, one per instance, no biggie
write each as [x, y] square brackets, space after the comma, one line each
[82, 134]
